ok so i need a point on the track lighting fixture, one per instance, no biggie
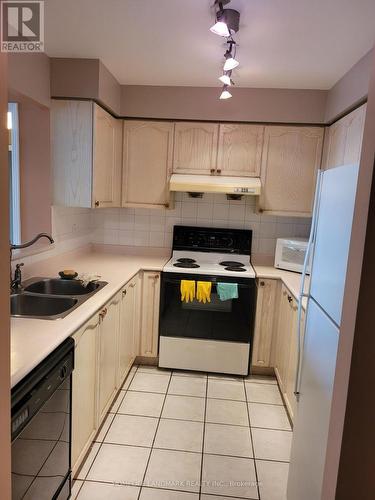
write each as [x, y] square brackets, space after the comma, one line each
[230, 61]
[227, 23]
[227, 20]
[226, 78]
[225, 94]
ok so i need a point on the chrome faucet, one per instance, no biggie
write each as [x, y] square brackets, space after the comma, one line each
[15, 284]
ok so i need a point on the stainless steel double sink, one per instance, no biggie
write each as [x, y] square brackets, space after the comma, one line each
[51, 298]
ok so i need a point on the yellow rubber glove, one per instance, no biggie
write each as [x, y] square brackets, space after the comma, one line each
[187, 289]
[204, 291]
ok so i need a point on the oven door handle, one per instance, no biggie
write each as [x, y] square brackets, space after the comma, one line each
[213, 283]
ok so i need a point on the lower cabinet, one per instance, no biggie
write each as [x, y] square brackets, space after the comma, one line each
[265, 318]
[284, 336]
[130, 325]
[150, 314]
[84, 414]
[105, 349]
[275, 336]
[108, 349]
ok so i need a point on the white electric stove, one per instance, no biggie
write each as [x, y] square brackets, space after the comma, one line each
[215, 336]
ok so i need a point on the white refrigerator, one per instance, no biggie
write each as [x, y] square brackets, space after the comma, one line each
[332, 226]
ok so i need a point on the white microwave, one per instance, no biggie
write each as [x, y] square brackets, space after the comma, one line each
[290, 254]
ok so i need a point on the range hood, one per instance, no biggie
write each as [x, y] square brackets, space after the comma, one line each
[232, 186]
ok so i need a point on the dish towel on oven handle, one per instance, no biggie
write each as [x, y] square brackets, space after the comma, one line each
[204, 291]
[227, 291]
[187, 289]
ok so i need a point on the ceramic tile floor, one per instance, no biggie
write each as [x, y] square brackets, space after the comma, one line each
[189, 436]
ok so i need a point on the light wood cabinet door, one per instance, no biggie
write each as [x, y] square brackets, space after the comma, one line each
[147, 163]
[129, 328]
[71, 150]
[107, 160]
[290, 160]
[195, 148]
[108, 348]
[291, 375]
[84, 414]
[343, 142]
[240, 150]
[265, 319]
[283, 338]
[150, 314]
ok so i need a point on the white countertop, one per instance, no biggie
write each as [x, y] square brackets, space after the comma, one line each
[290, 279]
[33, 339]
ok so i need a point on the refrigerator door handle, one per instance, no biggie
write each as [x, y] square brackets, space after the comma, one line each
[302, 294]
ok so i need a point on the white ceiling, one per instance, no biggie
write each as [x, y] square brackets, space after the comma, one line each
[282, 43]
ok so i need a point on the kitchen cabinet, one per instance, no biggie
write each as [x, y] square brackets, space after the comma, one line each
[150, 314]
[147, 163]
[291, 373]
[108, 349]
[130, 324]
[195, 148]
[240, 150]
[86, 155]
[290, 160]
[265, 321]
[343, 140]
[84, 414]
[284, 337]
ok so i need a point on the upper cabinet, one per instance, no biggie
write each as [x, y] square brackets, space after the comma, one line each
[107, 160]
[86, 155]
[195, 148]
[147, 165]
[240, 150]
[343, 141]
[290, 160]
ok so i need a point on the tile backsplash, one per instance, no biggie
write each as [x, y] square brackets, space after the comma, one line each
[153, 227]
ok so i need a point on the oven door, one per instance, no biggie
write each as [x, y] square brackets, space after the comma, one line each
[230, 320]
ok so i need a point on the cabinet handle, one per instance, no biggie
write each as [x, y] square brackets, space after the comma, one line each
[124, 292]
[289, 299]
[218, 170]
[156, 276]
[260, 210]
[262, 283]
[103, 313]
[166, 205]
[212, 170]
[132, 285]
[97, 203]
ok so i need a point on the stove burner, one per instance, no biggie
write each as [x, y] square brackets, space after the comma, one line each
[185, 260]
[237, 269]
[231, 263]
[187, 265]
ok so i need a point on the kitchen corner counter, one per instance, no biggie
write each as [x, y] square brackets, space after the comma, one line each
[291, 280]
[33, 339]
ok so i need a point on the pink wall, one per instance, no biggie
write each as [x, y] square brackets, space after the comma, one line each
[202, 103]
[29, 74]
[109, 92]
[35, 166]
[5, 459]
[74, 78]
[350, 90]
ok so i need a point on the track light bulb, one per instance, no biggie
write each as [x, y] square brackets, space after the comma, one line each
[226, 78]
[230, 62]
[225, 94]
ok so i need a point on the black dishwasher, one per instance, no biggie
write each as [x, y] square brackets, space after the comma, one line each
[41, 429]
